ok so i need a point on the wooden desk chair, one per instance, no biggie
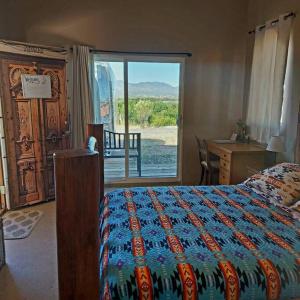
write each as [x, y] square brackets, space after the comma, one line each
[209, 167]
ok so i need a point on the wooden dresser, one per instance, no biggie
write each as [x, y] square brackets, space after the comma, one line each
[237, 161]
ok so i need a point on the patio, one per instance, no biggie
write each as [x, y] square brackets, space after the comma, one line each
[158, 155]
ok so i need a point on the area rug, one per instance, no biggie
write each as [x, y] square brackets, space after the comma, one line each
[19, 224]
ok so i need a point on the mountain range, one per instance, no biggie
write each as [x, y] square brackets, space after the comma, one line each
[147, 89]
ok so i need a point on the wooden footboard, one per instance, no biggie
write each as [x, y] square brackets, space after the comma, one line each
[78, 186]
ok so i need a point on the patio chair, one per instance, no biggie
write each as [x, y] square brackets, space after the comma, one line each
[114, 147]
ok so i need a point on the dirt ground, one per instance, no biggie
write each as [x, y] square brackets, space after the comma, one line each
[159, 145]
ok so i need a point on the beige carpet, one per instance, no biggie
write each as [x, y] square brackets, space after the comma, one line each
[19, 224]
[31, 270]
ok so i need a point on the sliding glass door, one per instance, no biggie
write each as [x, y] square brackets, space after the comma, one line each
[138, 99]
[109, 109]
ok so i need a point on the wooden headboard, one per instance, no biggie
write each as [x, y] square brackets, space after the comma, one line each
[79, 189]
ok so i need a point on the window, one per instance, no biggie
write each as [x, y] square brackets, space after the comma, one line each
[267, 79]
[138, 99]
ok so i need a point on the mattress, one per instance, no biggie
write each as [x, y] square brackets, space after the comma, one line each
[196, 242]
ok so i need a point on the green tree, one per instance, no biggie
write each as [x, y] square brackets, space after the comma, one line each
[148, 112]
[120, 112]
[143, 112]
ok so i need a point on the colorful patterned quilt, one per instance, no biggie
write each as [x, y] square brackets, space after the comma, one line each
[222, 242]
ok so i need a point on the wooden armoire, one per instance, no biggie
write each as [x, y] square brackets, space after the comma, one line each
[34, 128]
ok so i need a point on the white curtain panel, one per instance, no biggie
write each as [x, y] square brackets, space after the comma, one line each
[81, 102]
[267, 79]
[290, 107]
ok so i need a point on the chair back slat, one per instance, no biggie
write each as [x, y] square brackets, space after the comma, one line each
[110, 140]
[132, 141]
[114, 137]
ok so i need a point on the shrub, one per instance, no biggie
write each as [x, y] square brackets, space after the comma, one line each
[148, 112]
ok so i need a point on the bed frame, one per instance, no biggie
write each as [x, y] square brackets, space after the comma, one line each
[79, 189]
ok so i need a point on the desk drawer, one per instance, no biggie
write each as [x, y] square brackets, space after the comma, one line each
[226, 156]
[224, 164]
[224, 176]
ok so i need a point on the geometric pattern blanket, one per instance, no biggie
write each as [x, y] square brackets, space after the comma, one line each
[197, 242]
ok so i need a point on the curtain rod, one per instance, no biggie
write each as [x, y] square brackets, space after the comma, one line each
[290, 15]
[188, 54]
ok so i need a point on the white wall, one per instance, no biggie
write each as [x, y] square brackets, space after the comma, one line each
[11, 24]
[214, 31]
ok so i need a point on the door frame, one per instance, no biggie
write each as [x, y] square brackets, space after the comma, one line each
[155, 59]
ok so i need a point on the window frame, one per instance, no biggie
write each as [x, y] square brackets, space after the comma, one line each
[126, 58]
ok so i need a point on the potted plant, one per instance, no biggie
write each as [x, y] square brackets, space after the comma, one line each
[241, 130]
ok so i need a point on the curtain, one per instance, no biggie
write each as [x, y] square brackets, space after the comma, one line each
[290, 107]
[267, 79]
[81, 104]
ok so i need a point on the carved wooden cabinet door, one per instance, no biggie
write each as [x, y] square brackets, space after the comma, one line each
[33, 129]
[53, 122]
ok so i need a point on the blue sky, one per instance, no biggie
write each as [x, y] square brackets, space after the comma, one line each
[148, 72]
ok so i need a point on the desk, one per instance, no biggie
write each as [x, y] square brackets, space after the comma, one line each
[237, 161]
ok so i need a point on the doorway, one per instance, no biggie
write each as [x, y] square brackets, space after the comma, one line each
[139, 101]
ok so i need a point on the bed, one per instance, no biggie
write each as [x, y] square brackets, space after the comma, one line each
[179, 242]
